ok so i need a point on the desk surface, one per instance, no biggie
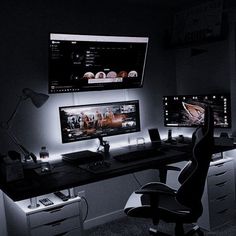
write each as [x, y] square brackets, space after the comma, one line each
[64, 176]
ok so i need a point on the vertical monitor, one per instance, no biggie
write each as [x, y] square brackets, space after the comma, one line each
[84, 122]
[188, 110]
[90, 62]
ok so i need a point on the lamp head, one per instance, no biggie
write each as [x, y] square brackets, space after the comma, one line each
[38, 99]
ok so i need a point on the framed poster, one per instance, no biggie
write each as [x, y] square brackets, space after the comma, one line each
[198, 23]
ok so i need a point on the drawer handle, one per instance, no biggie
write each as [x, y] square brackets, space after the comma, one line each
[221, 173]
[219, 165]
[55, 223]
[223, 211]
[221, 198]
[62, 234]
[221, 184]
[51, 210]
[55, 210]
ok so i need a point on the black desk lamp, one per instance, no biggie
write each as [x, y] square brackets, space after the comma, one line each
[38, 99]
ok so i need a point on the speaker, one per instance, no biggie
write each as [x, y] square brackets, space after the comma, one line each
[155, 136]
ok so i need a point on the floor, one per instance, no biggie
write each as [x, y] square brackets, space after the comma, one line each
[128, 226]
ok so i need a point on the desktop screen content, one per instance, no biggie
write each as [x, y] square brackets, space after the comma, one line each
[188, 110]
[83, 122]
[90, 62]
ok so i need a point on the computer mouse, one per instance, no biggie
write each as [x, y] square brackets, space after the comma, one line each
[44, 169]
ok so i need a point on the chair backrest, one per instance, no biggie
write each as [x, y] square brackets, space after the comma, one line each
[193, 176]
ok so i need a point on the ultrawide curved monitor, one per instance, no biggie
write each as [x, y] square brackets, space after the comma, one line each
[83, 122]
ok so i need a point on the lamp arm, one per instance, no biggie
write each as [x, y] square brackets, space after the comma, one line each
[38, 100]
[29, 154]
[8, 122]
[24, 151]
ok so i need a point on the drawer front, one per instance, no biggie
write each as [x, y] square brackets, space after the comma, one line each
[221, 182]
[74, 232]
[53, 214]
[221, 218]
[220, 177]
[221, 211]
[220, 167]
[220, 188]
[225, 201]
[62, 227]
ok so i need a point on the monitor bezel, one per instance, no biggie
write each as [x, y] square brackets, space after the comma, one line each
[229, 113]
[138, 121]
[97, 38]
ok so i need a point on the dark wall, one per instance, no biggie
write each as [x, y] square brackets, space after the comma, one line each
[206, 72]
[25, 28]
[210, 67]
[210, 71]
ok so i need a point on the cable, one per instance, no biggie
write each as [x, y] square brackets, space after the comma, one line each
[137, 180]
[87, 208]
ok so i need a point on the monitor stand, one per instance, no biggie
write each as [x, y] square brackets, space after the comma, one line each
[105, 145]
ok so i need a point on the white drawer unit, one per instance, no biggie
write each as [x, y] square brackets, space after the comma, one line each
[56, 227]
[62, 218]
[219, 194]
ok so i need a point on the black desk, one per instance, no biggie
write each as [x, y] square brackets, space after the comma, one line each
[65, 176]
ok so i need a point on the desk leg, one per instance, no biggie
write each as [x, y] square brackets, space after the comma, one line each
[71, 192]
[33, 203]
[163, 175]
[81, 219]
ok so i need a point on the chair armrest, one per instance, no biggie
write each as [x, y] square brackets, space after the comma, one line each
[156, 188]
[174, 168]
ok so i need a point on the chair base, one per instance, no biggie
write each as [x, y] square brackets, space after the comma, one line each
[153, 231]
[194, 231]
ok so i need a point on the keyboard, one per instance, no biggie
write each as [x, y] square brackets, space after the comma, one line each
[138, 155]
[82, 157]
[96, 167]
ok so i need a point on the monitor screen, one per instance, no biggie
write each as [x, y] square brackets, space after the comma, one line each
[89, 62]
[83, 122]
[188, 111]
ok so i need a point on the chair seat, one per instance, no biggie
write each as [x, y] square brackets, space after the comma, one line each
[170, 210]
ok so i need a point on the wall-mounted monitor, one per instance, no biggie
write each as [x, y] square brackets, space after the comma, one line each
[84, 122]
[188, 110]
[89, 62]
